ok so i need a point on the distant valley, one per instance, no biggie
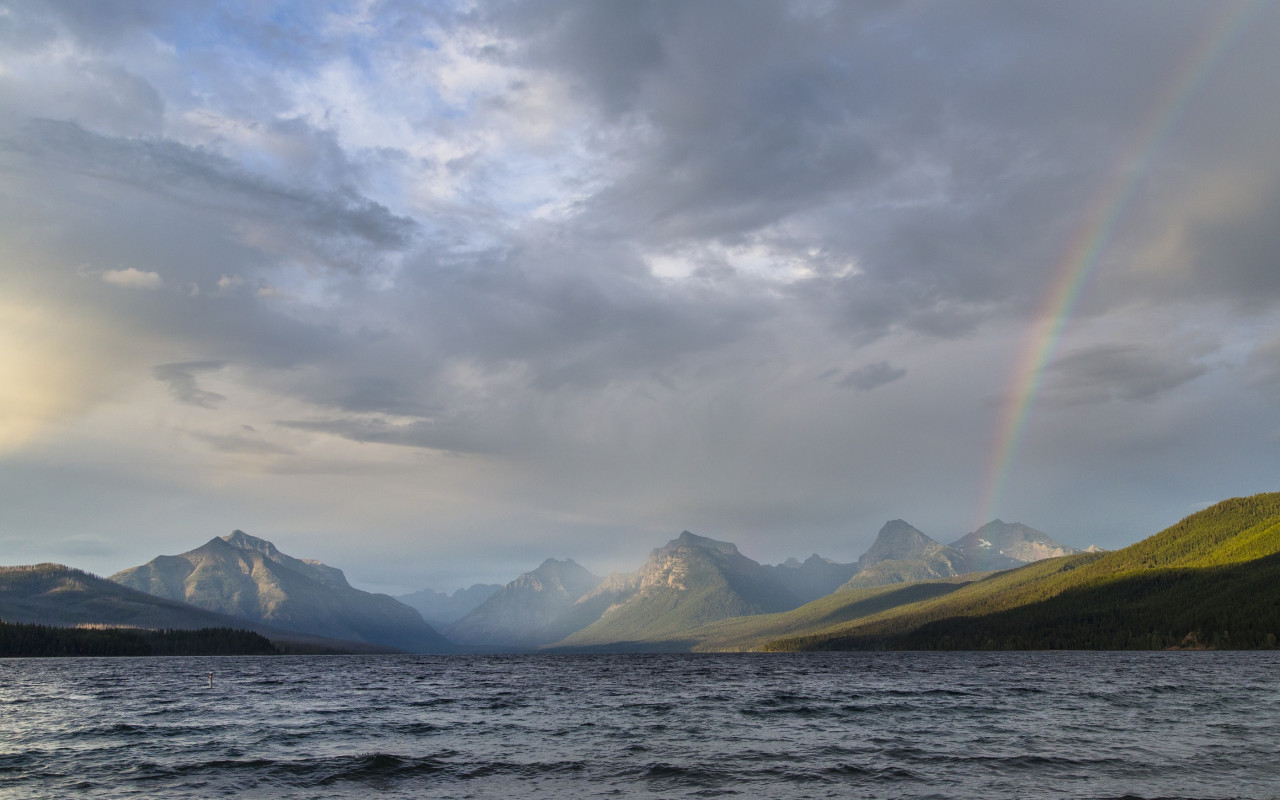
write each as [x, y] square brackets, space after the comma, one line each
[1210, 581]
[441, 610]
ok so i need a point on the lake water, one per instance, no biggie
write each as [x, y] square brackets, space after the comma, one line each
[884, 725]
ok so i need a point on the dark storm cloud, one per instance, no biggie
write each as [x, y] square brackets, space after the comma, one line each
[1119, 372]
[934, 148]
[336, 226]
[735, 128]
[951, 153]
[871, 376]
[382, 394]
[181, 380]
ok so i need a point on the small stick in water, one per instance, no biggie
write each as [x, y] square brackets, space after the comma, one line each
[210, 680]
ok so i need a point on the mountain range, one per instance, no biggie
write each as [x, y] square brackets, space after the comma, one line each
[812, 578]
[441, 610]
[1211, 580]
[691, 581]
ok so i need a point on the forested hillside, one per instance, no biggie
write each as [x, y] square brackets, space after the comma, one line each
[1212, 579]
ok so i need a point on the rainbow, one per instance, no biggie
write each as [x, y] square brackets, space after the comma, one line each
[1080, 257]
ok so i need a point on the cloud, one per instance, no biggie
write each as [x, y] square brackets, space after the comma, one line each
[228, 283]
[181, 380]
[871, 376]
[133, 278]
[604, 249]
[428, 434]
[334, 227]
[1103, 373]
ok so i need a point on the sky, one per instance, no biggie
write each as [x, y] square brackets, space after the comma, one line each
[434, 291]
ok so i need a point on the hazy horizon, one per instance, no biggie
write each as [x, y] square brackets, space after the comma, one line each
[432, 292]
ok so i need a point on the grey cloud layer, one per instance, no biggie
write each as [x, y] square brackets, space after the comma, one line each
[613, 244]
[333, 225]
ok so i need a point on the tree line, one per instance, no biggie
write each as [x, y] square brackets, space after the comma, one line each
[21, 640]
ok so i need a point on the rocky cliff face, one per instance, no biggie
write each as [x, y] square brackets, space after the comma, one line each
[1003, 545]
[898, 541]
[902, 554]
[248, 577]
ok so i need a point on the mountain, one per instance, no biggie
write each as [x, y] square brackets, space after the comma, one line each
[690, 581]
[526, 612]
[440, 609]
[248, 577]
[812, 578]
[897, 541]
[1212, 580]
[1001, 545]
[52, 594]
[902, 554]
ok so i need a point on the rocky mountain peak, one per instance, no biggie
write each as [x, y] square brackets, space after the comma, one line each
[244, 541]
[687, 539]
[248, 577]
[317, 570]
[898, 541]
[1002, 545]
[567, 577]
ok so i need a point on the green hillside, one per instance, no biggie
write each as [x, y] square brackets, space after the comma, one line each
[749, 633]
[1229, 607]
[892, 609]
[1214, 574]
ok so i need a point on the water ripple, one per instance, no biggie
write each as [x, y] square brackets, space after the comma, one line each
[885, 725]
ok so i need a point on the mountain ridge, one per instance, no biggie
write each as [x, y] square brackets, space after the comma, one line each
[441, 610]
[527, 611]
[1214, 574]
[688, 581]
[58, 595]
[250, 578]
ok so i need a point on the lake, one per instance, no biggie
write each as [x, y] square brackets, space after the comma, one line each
[816, 725]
